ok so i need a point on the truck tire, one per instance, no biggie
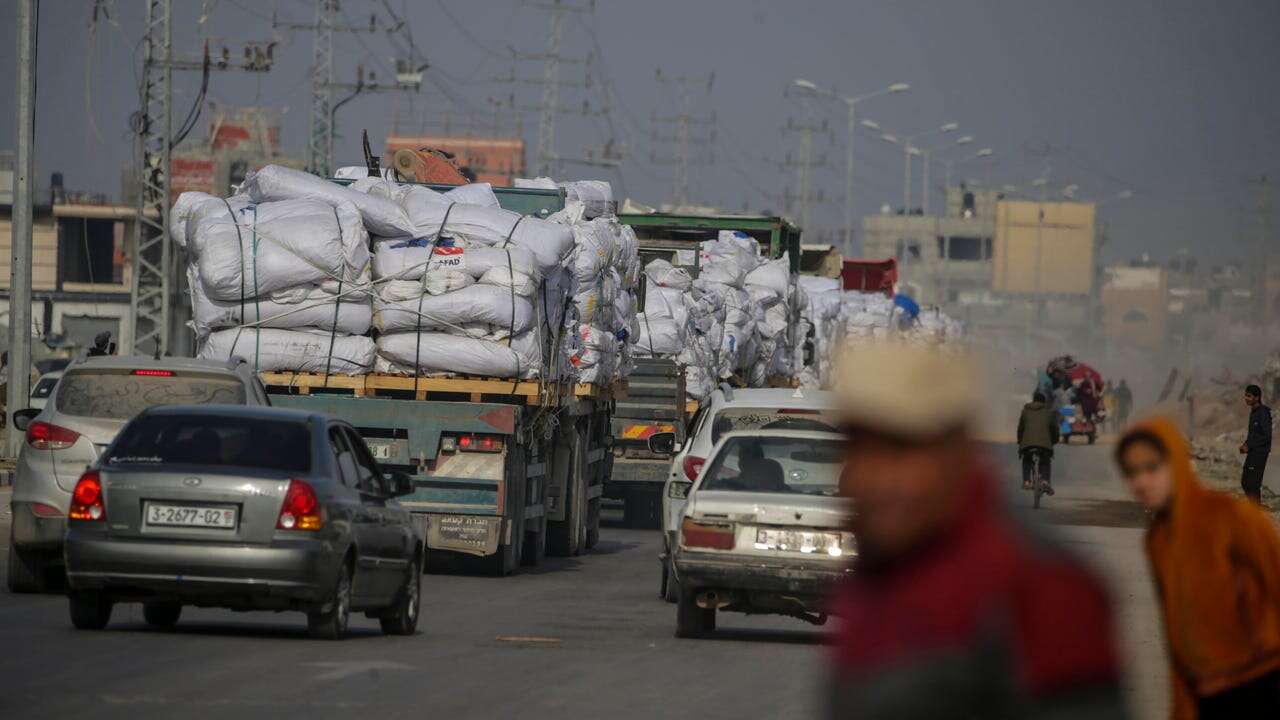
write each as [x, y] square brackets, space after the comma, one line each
[28, 570]
[593, 523]
[691, 620]
[642, 508]
[567, 537]
[504, 561]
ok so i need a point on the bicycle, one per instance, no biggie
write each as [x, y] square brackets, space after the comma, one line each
[1039, 484]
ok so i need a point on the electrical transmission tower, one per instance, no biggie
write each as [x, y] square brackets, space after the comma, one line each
[799, 203]
[151, 297]
[683, 121]
[548, 161]
[1263, 248]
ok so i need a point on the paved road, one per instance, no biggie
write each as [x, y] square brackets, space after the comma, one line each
[584, 637]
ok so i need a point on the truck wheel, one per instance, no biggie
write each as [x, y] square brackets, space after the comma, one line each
[535, 544]
[566, 537]
[503, 562]
[691, 620]
[593, 523]
[28, 570]
[89, 611]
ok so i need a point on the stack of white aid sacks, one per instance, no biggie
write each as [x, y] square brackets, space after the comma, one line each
[279, 274]
[604, 268]
[822, 325]
[472, 290]
[868, 318]
[723, 267]
[773, 298]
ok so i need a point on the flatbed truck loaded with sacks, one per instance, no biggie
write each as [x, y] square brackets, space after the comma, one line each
[506, 469]
[746, 336]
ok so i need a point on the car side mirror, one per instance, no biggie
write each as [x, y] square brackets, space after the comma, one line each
[400, 484]
[662, 443]
[22, 418]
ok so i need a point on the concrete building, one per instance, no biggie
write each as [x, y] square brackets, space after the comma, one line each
[495, 160]
[940, 257]
[240, 139]
[1135, 306]
[81, 273]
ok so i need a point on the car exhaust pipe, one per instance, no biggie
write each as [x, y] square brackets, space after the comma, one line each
[708, 599]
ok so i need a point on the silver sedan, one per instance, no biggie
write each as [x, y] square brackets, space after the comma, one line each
[243, 508]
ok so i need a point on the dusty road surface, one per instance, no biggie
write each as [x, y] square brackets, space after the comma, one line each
[583, 637]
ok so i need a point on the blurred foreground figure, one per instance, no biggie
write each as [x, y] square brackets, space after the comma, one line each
[953, 610]
[1216, 561]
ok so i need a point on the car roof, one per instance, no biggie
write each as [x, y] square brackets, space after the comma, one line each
[801, 434]
[132, 362]
[780, 397]
[243, 411]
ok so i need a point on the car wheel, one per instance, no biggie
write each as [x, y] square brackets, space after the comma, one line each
[691, 620]
[402, 618]
[331, 624]
[28, 570]
[670, 583]
[89, 611]
[161, 615]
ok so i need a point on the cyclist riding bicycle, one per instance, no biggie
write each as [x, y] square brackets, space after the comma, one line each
[1038, 432]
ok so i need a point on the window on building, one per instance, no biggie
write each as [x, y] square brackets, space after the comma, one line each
[965, 248]
[86, 251]
[908, 250]
[1134, 317]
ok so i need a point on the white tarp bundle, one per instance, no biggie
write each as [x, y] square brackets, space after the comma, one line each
[272, 350]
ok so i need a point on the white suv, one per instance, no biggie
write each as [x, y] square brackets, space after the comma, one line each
[729, 410]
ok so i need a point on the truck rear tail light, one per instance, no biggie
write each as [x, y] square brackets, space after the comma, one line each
[86, 499]
[692, 466]
[713, 535]
[480, 443]
[47, 436]
[301, 508]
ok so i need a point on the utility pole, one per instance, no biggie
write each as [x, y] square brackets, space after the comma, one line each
[151, 292]
[801, 202]
[1262, 262]
[684, 121]
[19, 381]
[546, 150]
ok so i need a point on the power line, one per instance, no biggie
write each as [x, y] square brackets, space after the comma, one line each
[683, 122]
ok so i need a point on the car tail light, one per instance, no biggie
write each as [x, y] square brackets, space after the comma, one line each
[152, 373]
[714, 535]
[301, 508]
[480, 443]
[86, 499]
[692, 466]
[47, 436]
[42, 510]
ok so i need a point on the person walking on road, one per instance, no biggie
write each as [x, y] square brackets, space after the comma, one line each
[1216, 564]
[1038, 432]
[1257, 444]
[1109, 406]
[952, 609]
[1124, 403]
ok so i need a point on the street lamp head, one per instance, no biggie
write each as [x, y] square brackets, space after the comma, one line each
[985, 152]
[899, 87]
[871, 124]
[802, 83]
[889, 138]
[1010, 188]
[1039, 182]
[913, 150]
[1124, 195]
[950, 126]
[964, 140]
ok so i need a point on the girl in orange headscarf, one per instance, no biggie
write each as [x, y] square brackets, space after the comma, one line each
[1216, 561]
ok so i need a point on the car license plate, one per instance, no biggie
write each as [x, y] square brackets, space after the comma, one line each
[382, 451]
[804, 541]
[222, 518]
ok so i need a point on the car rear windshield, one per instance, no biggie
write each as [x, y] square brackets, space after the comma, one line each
[777, 465]
[739, 418]
[121, 395]
[214, 440]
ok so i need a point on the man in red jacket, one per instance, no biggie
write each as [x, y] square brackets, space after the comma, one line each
[954, 611]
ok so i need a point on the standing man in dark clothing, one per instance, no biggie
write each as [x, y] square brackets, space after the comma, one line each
[1124, 404]
[1038, 432]
[1257, 444]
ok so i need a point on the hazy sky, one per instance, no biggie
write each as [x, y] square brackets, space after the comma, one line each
[1174, 100]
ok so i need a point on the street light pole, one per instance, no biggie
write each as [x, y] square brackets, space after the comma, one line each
[19, 381]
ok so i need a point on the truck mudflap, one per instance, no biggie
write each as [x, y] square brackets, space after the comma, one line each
[477, 535]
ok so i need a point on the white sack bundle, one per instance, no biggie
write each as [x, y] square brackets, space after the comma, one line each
[658, 337]
[441, 354]
[474, 304]
[274, 350]
[245, 250]
[772, 275]
[727, 259]
[664, 274]
[297, 308]
[406, 258]
[274, 182]
[596, 196]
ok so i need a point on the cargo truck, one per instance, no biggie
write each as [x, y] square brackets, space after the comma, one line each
[655, 400]
[505, 471]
